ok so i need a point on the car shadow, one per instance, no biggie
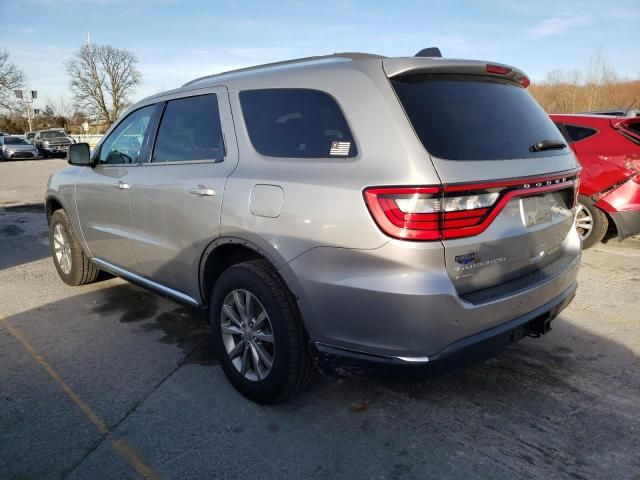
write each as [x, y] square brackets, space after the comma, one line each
[24, 235]
[563, 405]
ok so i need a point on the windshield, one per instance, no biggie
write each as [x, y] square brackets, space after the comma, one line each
[465, 117]
[53, 134]
[14, 141]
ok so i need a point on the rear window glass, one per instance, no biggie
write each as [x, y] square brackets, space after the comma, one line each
[579, 133]
[296, 123]
[464, 117]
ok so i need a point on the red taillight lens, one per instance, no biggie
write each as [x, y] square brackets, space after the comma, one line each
[436, 213]
[427, 213]
[498, 69]
[406, 213]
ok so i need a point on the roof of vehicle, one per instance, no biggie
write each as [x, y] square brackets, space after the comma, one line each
[392, 66]
[617, 112]
[583, 118]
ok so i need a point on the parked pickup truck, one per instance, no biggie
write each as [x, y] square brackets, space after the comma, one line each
[52, 142]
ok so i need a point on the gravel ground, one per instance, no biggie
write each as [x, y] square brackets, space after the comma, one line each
[110, 381]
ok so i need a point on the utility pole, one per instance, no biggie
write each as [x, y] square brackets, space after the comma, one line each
[27, 99]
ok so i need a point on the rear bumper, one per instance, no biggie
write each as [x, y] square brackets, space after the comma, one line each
[623, 206]
[399, 301]
[462, 353]
[627, 223]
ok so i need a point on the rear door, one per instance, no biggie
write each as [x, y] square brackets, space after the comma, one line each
[177, 198]
[487, 138]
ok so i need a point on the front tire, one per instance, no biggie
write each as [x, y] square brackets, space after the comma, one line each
[591, 222]
[258, 334]
[73, 266]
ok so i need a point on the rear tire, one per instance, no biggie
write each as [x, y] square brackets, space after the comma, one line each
[591, 222]
[73, 266]
[272, 316]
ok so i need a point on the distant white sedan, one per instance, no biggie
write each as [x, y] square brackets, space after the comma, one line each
[16, 148]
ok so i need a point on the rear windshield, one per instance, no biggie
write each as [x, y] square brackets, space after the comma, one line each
[464, 117]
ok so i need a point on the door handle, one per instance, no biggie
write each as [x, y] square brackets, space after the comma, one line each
[202, 191]
[121, 186]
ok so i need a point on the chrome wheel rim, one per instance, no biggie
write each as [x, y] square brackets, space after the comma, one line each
[62, 248]
[247, 335]
[584, 221]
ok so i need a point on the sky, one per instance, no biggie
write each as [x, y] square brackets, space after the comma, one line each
[176, 41]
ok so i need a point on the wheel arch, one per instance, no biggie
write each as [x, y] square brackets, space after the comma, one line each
[51, 204]
[227, 251]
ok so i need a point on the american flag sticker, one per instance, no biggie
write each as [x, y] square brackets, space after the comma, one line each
[340, 149]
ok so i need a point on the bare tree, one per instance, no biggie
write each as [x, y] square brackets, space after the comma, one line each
[11, 78]
[102, 79]
[55, 114]
[61, 107]
[600, 75]
[596, 88]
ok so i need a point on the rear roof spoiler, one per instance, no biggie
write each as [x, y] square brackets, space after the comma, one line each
[623, 125]
[395, 67]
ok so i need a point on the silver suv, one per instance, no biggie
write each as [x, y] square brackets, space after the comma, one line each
[339, 212]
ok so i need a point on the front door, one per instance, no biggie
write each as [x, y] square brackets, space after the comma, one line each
[177, 197]
[103, 193]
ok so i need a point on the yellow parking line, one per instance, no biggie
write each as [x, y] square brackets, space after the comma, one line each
[119, 446]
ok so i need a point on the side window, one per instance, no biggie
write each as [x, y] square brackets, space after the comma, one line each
[190, 130]
[296, 123]
[123, 145]
[579, 133]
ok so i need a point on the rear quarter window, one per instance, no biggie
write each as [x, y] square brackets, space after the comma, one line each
[577, 133]
[467, 117]
[296, 123]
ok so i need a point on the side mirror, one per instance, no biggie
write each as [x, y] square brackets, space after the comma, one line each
[79, 154]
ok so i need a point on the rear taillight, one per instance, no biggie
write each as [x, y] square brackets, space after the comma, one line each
[435, 213]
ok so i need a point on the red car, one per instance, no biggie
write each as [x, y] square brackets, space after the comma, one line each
[609, 150]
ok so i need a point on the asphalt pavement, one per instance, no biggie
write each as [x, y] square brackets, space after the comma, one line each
[110, 381]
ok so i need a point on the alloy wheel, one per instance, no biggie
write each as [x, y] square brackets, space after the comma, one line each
[62, 248]
[247, 335]
[584, 221]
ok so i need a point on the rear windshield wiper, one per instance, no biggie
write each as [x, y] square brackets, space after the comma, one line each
[547, 145]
